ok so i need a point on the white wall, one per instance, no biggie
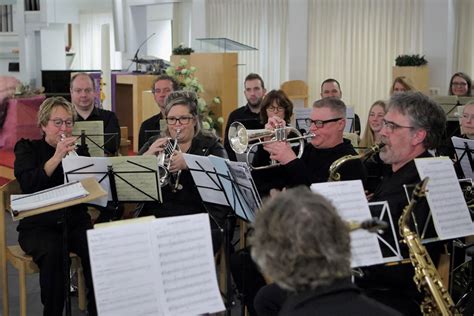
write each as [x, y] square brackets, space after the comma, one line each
[298, 40]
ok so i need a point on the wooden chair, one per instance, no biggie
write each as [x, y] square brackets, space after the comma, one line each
[296, 89]
[22, 262]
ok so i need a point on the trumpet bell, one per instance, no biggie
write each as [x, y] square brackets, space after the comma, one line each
[238, 137]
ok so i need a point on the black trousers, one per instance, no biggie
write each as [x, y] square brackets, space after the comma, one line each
[45, 245]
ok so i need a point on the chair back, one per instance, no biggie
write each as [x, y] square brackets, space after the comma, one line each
[296, 89]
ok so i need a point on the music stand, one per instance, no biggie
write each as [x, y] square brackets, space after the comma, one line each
[464, 151]
[212, 174]
[95, 192]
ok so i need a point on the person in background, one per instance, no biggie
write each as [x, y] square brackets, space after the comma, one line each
[374, 124]
[460, 85]
[83, 93]
[38, 166]
[161, 88]
[401, 84]
[331, 88]
[302, 244]
[248, 115]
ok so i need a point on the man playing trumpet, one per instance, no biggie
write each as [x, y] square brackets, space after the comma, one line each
[326, 123]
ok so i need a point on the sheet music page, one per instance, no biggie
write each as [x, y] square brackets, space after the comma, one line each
[55, 195]
[460, 146]
[136, 171]
[349, 199]
[242, 176]
[205, 179]
[94, 131]
[124, 270]
[186, 268]
[451, 216]
[77, 168]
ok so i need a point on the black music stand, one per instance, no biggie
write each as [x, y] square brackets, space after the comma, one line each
[466, 153]
[109, 138]
[95, 192]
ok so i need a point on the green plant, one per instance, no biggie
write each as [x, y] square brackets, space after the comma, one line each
[186, 78]
[410, 60]
[181, 50]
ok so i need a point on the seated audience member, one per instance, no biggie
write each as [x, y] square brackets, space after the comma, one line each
[467, 121]
[302, 244]
[460, 85]
[83, 93]
[38, 166]
[327, 122]
[375, 167]
[331, 88]
[413, 124]
[401, 84]
[275, 103]
[181, 196]
[161, 88]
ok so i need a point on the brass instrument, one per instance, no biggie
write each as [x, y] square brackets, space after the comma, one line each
[239, 138]
[72, 153]
[334, 175]
[164, 163]
[437, 300]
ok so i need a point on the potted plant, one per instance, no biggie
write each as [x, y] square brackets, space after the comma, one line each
[415, 68]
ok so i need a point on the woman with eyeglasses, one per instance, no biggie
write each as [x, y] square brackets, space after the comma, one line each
[460, 85]
[275, 104]
[183, 124]
[38, 167]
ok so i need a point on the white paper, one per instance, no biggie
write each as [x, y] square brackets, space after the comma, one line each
[460, 145]
[349, 199]
[451, 216]
[124, 270]
[157, 267]
[186, 267]
[205, 178]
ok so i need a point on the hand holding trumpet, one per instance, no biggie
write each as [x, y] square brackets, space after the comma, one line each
[279, 150]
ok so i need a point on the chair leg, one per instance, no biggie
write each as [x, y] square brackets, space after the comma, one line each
[22, 287]
[5, 287]
[81, 288]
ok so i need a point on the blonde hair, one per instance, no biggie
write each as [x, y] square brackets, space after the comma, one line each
[404, 81]
[368, 139]
[44, 113]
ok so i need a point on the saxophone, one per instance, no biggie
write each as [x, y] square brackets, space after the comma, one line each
[437, 300]
[334, 175]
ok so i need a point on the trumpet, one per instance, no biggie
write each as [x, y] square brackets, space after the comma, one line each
[72, 153]
[164, 162]
[240, 139]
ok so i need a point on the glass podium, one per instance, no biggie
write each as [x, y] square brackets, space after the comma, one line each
[221, 45]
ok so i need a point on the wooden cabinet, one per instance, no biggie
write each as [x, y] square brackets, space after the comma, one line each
[419, 76]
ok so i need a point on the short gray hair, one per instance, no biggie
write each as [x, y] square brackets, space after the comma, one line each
[424, 113]
[300, 241]
[333, 103]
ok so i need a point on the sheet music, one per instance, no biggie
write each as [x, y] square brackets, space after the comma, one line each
[133, 169]
[58, 194]
[186, 268]
[349, 199]
[94, 131]
[205, 179]
[451, 216]
[124, 270]
[463, 154]
[87, 168]
[242, 176]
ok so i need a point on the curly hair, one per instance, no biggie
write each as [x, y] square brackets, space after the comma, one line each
[300, 241]
[424, 113]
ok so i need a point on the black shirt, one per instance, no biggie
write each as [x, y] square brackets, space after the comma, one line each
[313, 166]
[245, 116]
[111, 126]
[150, 127]
[30, 157]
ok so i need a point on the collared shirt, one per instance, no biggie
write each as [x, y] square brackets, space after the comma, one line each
[111, 128]
[249, 119]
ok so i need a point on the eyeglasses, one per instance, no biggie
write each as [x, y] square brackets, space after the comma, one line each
[459, 84]
[59, 122]
[320, 123]
[275, 109]
[87, 90]
[391, 126]
[182, 120]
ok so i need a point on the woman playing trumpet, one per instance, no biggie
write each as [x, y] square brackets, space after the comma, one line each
[181, 196]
